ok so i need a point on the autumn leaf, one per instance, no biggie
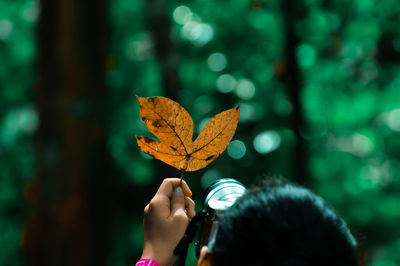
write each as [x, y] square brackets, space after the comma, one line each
[173, 127]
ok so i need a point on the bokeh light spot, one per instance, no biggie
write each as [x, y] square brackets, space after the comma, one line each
[393, 120]
[259, 20]
[361, 145]
[141, 173]
[306, 55]
[245, 89]
[236, 149]
[226, 83]
[267, 142]
[369, 177]
[16, 123]
[31, 12]
[209, 177]
[247, 112]
[203, 104]
[140, 47]
[182, 14]
[197, 32]
[203, 123]
[217, 62]
[5, 29]
[282, 106]
[251, 112]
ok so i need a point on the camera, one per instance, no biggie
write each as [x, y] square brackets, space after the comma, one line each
[218, 197]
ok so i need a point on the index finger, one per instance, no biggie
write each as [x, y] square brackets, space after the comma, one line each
[168, 186]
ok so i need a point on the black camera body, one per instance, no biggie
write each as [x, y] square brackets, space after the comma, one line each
[217, 199]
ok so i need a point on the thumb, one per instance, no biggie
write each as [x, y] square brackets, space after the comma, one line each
[178, 202]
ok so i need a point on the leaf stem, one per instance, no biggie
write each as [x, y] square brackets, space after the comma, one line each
[182, 172]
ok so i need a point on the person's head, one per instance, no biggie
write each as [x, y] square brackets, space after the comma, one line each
[280, 224]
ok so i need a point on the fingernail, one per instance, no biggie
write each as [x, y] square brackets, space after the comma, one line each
[179, 192]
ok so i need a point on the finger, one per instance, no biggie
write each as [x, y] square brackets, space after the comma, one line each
[169, 184]
[178, 202]
[190, 207]
[161, 205]
[186, 189]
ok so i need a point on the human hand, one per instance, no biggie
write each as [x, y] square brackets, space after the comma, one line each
[165, 220]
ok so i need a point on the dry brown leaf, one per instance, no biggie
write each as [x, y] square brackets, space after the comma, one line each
[173, 127]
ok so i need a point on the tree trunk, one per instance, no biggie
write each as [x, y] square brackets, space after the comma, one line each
[167, 55]
[68, 224]
[293, 81]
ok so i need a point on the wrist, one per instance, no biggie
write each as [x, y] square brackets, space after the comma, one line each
[156, 257]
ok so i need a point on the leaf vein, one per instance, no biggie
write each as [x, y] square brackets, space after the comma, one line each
[145, 144]
[214, 137]
[173, 128]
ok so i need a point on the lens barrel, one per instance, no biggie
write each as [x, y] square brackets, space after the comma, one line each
[223, 194]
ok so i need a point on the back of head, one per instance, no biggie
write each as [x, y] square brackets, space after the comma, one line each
[282, 224]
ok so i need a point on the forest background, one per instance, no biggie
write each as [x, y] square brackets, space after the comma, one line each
[318, 83]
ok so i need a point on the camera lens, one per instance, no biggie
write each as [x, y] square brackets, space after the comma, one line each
[223, 194]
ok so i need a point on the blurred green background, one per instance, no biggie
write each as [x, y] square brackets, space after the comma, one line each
[318, 83]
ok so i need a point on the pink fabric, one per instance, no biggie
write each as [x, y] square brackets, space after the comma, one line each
[147, 262]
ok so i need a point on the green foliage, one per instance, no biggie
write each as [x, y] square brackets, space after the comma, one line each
[232, 52]
[18, 120]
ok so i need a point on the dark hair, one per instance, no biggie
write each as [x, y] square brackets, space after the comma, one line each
[282, 224]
